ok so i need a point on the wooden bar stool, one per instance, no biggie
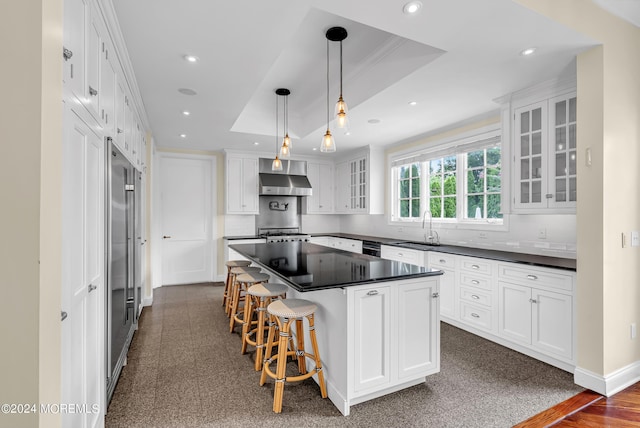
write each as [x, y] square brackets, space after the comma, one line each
[258, 297]
[227, 285]
[235, 271]
[287, 311]
[242, 282]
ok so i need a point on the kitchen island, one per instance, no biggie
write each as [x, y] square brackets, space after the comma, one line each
[377, 322]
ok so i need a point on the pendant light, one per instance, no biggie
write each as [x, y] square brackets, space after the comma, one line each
[276, 165]
[338, 34]
[285, 150]
[328, 144]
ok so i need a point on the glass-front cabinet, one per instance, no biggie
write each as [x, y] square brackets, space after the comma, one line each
[545, 154]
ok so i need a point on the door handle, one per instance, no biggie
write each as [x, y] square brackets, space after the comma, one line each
[166, 237]
[92, 287]
[63, 316]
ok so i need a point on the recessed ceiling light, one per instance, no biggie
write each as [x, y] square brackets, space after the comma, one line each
[191, 58]
[187, 91]
[315, 148]
[412, 103]
[186, 113]
[183, 135]
[412, 8]
[373, 121]
[347, 133]
[528, 51]
[256, 143]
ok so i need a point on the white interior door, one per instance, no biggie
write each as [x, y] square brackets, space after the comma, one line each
[83, 333]
[186, 193]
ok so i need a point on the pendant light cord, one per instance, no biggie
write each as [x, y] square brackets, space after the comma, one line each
[327, 84]
[277, 96]
[340, 67]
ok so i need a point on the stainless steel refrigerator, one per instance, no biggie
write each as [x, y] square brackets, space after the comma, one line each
[124, 190]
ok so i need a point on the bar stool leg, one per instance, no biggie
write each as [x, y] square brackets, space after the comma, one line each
[262, 308]
[316, 353]
[234, 305]
[270, 336]
[285, 330]
[246, 323]
[302, 365]
[226, 289]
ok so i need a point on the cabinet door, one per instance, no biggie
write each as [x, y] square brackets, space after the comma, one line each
[250, 185]
[343, 190]
[447, 292]
[562, 160]
[515, 312]
[75, 17]
[107, 88]
[119, 113]
[418, 329]
[372, 322]
[93, 51]
[128, 126]
[531, 156]
[361, 193]
[242, 185]
[552, 323]
[325, 188]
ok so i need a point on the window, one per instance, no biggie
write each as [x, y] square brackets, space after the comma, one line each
[409, 185]
[459, 183]
[482, 193]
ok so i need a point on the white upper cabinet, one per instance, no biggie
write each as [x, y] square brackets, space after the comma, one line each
[107, 87]
[75, 17]
[93, 51]
[359, 182]
[543, 130]
[322, 183]
[242, 184]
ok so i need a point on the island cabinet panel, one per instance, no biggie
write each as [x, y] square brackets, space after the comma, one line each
[372, 327]
[447, 264]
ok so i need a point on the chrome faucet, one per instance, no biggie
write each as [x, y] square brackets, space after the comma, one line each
[433, 237]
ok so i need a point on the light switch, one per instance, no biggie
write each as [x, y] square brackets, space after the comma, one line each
[635, 238]
[542, 233]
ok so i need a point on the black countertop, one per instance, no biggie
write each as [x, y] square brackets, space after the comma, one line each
[484, 253]
[307, 267]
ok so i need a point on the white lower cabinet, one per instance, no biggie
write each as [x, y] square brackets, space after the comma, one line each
[447, 264]
[345, 244]
[538, 318]
[230, 254]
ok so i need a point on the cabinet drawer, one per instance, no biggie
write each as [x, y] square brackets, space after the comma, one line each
[475, 296]
[475, 265]
[402, 255]
[476, 316]
[475, 280]
[535, 276]
[442, 260]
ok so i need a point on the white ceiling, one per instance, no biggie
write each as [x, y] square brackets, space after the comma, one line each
[453, 58]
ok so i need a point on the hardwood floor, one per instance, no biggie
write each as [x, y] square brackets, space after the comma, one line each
[588, 409]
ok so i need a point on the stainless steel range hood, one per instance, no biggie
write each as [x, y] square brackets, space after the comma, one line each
[292, 180]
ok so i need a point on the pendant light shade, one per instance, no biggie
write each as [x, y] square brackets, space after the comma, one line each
[338, 34]
[285, 149]
[276, 165]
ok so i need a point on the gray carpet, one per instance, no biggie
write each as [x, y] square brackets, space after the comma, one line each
[185, 370]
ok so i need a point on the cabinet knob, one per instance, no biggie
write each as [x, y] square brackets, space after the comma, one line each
[166, 237]
[372, 293]
[435, 295]
[532, 277]
[92, 92]
[475, 267]
[443, 261]
[92, 287]
[63, 316]
[473, 314]
[475, 282]
[66, 54]
[475, 296]
[533, 301]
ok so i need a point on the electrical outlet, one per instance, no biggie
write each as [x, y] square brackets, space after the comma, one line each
[542, 233]
[633, 330]
[482, 235]
[635, 238]
[399, 230]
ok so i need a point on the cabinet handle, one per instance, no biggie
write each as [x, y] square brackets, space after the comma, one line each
[533, 301]
[532, 277]
[63, 316]
[66, 54]
[166, 237]
[92, 287]
[372, 293]
[120, 131]
[435, 295]
[475, 267]
[92, 91]
[549, 195]
[475, 296]
[475, 282]
[473, 314]
[443, 261]
[400, 255]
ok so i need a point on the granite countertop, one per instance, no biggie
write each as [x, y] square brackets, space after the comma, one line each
[499, 255]
[308, 267]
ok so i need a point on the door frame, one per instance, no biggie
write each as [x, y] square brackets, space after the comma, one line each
[156, 212]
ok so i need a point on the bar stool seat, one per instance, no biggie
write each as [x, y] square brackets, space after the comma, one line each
[242, 282]
[285, 312]
[259, 296]
[227, 285]
[233, 272]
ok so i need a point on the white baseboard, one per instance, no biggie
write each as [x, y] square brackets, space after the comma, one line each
[147, 301]
[611, 383]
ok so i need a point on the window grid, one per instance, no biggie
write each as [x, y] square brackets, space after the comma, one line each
[484, 185]
[409, 191]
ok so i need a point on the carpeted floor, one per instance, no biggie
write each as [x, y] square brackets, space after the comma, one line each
[185, 370]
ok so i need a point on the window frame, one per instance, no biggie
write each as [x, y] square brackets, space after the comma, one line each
[454, 146]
